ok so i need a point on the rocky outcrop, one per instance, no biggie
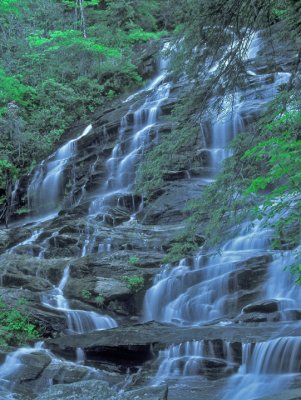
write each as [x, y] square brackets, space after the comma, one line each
[99, 390]
[137, 344]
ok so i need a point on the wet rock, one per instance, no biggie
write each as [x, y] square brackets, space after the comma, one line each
[249, 273]
[256, 317]
[137, 344]
[62, 241]
[84, 390]
[292, 394]
[170, 204]
[111, 288]
[266, 306]
[29, 272]
[100, 390]
[115, 217]
[15, 236]
[4, 239]
[148, 393]
[33, 366]
[70, 373]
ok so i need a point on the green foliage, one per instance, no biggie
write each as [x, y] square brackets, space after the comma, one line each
[134, 283]
[9, 6]
[63, 40]
[183, 245]
[134, 260]
[11, 89]
[139, 35]
[86, 294]
[281, 182]
[15, 326]
[99, 300]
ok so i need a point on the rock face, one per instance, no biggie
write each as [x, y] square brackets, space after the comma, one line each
[136, 344]
[124, 240]
[99, 390]
[88, 390]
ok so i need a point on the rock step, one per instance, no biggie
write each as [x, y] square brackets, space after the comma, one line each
[139, 343]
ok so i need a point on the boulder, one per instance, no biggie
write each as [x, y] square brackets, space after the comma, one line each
[266, 306]
[111, 288]
[32, 367]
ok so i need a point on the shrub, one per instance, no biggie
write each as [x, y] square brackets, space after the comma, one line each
[15, 326]
[134, 283]
[134, 260]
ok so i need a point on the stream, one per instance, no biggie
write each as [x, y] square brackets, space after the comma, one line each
[245, 282]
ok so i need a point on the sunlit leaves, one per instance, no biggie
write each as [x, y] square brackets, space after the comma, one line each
[9, 6]
[11, 89]
[59, 40]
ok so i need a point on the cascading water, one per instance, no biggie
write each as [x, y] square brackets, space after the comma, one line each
[192, 358]
[17, 361]
[78, 321]
[266, 368]
[208, 289]
[46, 187]
[137, 131]
[192, 294]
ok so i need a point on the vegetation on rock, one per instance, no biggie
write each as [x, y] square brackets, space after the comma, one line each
[15, 326]
[134, 282]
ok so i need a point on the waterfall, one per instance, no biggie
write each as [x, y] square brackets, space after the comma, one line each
[204, 291]
[46, 188]
[193, 358]
[266, 368]
[210, 287]
[190, 294]
[78, 321]
[138, 130]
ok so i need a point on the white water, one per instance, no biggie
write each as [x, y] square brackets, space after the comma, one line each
[25, 242]
[138, 129]
[194, 294]
[46, 188]
[205, 289]
[78, 321]
[15, 362]
[266, 368]
[189, 358]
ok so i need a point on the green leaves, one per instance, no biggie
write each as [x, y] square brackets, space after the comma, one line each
[11, 89]
[15, 326]
[139, 35]
[60, 40]
[9, 6]
[135, 283]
